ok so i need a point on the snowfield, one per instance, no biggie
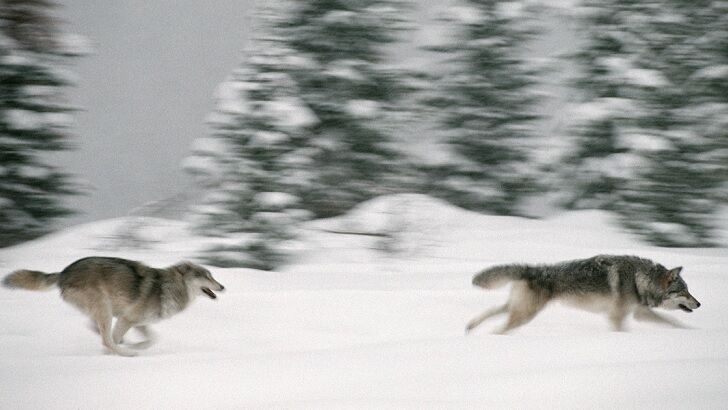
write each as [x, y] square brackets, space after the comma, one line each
[369, 321]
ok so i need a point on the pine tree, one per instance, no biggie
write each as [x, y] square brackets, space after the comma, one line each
[708, 87]
[295, 132]
[348, 87]
[599, 165]
[257, 158]
[292, 132]
[651, 143]
[34, 118]
[487, 102]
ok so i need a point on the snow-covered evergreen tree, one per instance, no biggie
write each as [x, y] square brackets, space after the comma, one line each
[651, 140]
[348, 87]
[294, 132]
[487, 102]
[34, 118]
[257, 158]
[599, 164]
[708, 87]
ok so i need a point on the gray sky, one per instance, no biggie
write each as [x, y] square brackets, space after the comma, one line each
[145, 92]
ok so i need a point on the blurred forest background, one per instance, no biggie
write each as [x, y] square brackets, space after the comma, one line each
[338, 101]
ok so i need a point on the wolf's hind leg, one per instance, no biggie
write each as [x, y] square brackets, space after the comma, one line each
[103, 319]
[521, 316]
[149, 338]
[120, 328]
[523, 306]
[646, 314]
[485, 316]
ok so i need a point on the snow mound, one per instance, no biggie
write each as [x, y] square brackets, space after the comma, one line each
[390, 212]
[401, 228]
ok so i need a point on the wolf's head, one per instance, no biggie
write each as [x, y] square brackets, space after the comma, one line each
[674, 291]
[199, 279]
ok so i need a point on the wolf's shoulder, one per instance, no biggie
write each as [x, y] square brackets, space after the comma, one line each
[600, 264]
[622, 260]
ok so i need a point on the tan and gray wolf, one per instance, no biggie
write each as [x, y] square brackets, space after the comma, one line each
[618, 285]
[133, 293]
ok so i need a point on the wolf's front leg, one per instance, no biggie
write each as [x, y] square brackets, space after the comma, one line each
[645, 314]
[617, 313]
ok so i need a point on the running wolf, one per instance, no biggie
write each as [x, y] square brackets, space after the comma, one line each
[618, 285]
[133, 293]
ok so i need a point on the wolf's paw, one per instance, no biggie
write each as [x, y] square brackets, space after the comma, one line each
[121, 351]
[146, 344]
[126, 353]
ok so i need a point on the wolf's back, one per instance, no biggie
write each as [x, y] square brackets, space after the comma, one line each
[31, 280]
[498, 276]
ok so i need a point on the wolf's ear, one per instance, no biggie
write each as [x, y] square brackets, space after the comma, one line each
[670, 276]
[674, 272]
[184, 267]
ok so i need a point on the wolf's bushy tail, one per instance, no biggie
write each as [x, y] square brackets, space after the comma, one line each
[31, 280]
[498, 276]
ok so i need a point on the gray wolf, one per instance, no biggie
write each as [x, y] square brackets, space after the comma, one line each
[133, 293]
[619, 285]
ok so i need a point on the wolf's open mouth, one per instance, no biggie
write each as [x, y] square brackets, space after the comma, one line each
[209, 293]
[685, 308]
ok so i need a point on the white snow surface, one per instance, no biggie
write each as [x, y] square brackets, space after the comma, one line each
[349, 326]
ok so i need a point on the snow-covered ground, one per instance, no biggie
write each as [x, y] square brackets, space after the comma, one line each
[370, 322]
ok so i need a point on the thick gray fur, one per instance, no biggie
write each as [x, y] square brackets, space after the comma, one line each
[618, 285]
[133, 293]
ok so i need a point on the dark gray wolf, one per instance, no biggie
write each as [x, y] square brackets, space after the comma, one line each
[133, 293]
[618, 285]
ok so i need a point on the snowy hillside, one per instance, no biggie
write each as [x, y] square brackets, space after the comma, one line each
[371, 316]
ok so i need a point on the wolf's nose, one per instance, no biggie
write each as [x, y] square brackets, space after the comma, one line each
[697, 303]
[223, 288]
